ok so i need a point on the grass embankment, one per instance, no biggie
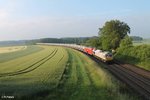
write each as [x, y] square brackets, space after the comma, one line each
[137, 55]
[85, 80]
[32, 75]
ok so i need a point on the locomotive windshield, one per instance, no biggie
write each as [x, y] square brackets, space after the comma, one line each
[108, 55]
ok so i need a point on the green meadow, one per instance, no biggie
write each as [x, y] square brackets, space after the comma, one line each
[144, 41]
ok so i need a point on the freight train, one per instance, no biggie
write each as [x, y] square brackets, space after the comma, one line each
[104, 56]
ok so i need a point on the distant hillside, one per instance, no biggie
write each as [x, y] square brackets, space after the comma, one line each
[77, 40]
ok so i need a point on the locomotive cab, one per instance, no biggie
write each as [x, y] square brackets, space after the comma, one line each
[109, 56]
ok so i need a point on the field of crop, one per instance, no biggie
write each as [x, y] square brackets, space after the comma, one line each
[32, 74]
[13, 55]
[57, 73]
[11, 49]
[145, 41]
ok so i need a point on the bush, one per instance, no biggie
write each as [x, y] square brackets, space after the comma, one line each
[139, 55]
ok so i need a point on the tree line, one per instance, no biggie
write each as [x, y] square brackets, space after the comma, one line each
[69, 40]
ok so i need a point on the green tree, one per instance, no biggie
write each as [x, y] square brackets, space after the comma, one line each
[112, 33]
[126, 42]
[94, 42]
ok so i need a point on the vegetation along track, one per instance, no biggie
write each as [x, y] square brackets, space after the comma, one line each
[136, 78]
[33, 66]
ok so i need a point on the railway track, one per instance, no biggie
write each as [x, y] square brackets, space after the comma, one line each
[137, 78]
[136, 81]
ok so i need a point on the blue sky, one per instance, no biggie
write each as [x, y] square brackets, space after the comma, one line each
[30, 19]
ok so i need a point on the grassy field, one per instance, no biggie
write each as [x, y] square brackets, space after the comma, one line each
[11, 49]
[13, 55]
[57, 73]
[145, 41]
[32, 74]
